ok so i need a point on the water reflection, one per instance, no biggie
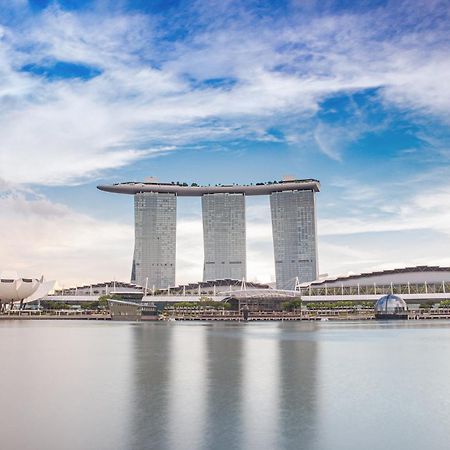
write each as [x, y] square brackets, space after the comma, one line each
[64, 385]
[298, 387]
[261, 378]
[187, 402]
[224, 386]
[150, 388]
[224, 427]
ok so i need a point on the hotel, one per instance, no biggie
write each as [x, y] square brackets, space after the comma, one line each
[293, 212]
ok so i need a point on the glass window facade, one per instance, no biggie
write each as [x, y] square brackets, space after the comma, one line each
[224, 236]
[155, 239]
[294, 237]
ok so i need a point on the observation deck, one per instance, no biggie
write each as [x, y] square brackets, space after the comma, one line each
[194, 190]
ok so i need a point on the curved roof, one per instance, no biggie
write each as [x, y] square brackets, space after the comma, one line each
[14, 288]
[404, 270]
[197, 191]
[247, 294]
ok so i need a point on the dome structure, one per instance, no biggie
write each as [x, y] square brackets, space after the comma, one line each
[14, 288]
[391, 307]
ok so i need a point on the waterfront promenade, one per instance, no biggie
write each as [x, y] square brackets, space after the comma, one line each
[328, 315]
[56, 315]
[230, 316]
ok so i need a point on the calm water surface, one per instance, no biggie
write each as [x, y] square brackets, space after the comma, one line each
[82, 385]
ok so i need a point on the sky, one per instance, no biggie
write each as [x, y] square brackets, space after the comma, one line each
[354, 94]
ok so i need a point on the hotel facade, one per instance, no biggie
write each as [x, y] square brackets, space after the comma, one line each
[293, 213]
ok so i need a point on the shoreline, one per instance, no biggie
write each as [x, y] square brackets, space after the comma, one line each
[219, 318]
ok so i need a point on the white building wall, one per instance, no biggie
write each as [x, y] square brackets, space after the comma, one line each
[155, 240]
[224, 236]
[294, 237]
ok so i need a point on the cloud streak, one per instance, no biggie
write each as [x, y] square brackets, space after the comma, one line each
[153, 92]
[43, 236]
[150, 84]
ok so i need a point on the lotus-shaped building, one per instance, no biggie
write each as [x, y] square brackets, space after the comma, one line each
[15, 288]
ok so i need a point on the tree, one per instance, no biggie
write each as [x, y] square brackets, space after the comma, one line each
[185, 305]
[285, 306]
[53, 305]
[425, 306]
[292, 305]
[103, 300]
[296, 303]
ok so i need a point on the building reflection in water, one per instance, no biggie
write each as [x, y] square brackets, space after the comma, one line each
[223, 386]
[298, 386]
[224, 428]
[260, 399]
[150, 390]
[188, 387]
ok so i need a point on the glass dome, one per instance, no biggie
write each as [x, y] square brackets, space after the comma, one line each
[390, 304]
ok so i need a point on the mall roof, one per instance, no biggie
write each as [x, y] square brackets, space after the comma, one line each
[247, 294]
[223, 282]
[381, 272]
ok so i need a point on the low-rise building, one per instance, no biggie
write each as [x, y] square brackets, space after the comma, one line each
[420, 284]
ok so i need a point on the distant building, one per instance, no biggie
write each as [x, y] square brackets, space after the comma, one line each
[391, 307]
[256, 296]
[155, 239]
[89, 293]
[414, 284]
[132, 310]
[210, 287]
[294, 237]
[15, 288]
[267, 300]
[99, 289]
[224, 236]
[223, 206]
[130, 301]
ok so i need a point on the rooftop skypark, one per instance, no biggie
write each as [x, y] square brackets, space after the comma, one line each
[195, 190]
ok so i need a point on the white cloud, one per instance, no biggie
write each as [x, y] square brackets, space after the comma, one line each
[42, 237]
[428, 210]
[332, 140]
[151, 98]
[260, 264]
[189, 250]
[150, 92]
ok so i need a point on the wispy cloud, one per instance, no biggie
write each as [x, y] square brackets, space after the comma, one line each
[151, 91]
[377, 212]
[43, 236]
[82, 92]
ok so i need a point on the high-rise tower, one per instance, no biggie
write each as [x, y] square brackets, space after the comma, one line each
[155, 239]
[294, 236]
[293, 222]
[224, 236]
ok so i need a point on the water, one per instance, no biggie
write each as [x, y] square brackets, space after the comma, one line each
[94, 385]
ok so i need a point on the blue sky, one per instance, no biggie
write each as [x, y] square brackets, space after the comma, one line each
[355, 94]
